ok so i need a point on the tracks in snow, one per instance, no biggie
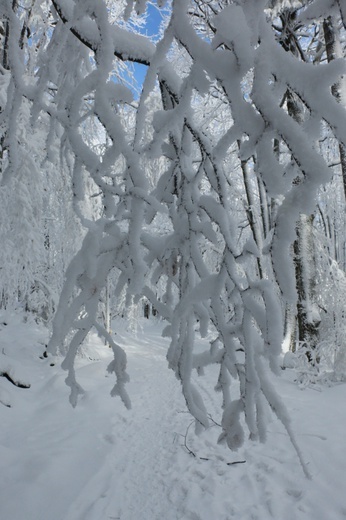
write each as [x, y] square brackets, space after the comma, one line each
[136, 479]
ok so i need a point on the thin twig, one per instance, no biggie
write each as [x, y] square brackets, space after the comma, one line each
[204, 458]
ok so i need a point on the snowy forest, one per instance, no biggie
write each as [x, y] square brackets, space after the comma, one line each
[173, 182]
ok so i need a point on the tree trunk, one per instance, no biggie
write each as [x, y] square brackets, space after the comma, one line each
[308, 319]
[306, 322]
[331, 51]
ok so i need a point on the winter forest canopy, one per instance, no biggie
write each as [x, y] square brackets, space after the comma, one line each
[211, 195]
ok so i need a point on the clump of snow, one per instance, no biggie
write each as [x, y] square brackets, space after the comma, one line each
[289, 360]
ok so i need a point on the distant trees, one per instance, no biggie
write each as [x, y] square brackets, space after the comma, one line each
[324, 43]
[21, 194]
[215, 229]
[39, 230]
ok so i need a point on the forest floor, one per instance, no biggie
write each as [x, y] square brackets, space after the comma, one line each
[100, 461]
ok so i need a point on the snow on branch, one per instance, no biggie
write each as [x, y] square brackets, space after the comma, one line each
[213, 282]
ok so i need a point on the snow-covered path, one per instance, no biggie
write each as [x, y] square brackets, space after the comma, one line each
[103, 462]
[98, 460]
[134, 481]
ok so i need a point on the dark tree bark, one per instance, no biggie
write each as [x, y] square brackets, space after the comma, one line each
[330, 42]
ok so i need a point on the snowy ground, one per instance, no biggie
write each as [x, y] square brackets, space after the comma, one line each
[103, 462]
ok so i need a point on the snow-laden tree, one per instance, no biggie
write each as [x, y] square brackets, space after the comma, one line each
[230, 51]
[320, 40]
[39, 231]
[21, 197]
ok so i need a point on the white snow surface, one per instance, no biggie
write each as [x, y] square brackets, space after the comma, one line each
[99, 461]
